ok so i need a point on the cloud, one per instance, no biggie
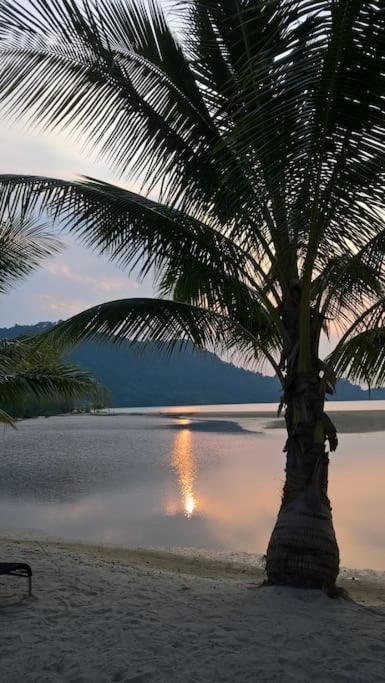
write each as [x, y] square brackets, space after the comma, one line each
[58, 308]
[68, 283]
[106, 284]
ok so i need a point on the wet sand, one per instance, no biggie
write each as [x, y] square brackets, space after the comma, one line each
[353, 422]
[347, 422]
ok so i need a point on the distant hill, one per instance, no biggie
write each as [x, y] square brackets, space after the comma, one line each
[144, 376]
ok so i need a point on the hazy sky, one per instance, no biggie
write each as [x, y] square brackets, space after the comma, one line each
[75, 279]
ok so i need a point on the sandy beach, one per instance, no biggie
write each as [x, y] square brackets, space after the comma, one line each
[112, 614]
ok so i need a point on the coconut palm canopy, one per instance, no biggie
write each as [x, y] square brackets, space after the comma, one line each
[28, 369]
[258, 126]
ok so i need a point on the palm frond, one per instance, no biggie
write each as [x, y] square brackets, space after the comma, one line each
[83, 56]
[24, 244]
[128, 228]
[361, 358]
[258, 101]
[348, 285]
[31, 368]
[58, 381]
[168, 324]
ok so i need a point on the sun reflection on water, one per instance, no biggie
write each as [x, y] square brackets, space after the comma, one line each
[184, 464]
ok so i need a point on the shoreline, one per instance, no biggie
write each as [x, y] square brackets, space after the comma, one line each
[347, 422]
[194, 411]
[364, 585]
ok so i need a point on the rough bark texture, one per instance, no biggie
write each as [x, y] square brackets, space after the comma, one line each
[303, 549]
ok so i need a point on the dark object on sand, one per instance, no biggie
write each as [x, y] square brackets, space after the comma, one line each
[18, 569]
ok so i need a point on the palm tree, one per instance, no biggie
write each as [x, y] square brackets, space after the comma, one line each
[28, 368]
[256, 127]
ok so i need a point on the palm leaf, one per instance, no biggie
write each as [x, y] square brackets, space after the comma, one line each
[88, 56]
[31, 368]
[58, 381]
[24, 244]
[168, 324]
[125, 226]
[348, 285]
[361, 358]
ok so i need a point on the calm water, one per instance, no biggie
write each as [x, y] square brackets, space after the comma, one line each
[209, 480]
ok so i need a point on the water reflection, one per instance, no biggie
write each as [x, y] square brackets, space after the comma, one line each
[184, 464]
[123, 480]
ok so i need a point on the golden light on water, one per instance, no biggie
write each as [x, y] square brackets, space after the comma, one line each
[183, 463]
[189, 505]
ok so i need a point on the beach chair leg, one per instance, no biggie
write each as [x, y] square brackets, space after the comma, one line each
[30, 586]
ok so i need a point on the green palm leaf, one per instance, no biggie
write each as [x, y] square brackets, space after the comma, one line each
[32, 368]
[59, 380]
[26, 370]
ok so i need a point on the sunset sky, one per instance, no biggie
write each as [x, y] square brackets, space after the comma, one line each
[76, 279]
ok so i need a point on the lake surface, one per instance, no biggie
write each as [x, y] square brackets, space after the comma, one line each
[206, 477]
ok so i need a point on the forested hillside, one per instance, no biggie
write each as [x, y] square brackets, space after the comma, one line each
[146, 376]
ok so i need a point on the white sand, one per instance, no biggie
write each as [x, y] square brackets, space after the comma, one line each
[104, 614]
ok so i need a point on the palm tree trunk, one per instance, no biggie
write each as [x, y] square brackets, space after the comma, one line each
[303, 550]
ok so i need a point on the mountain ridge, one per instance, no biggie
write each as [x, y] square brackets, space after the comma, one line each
[142, 375]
